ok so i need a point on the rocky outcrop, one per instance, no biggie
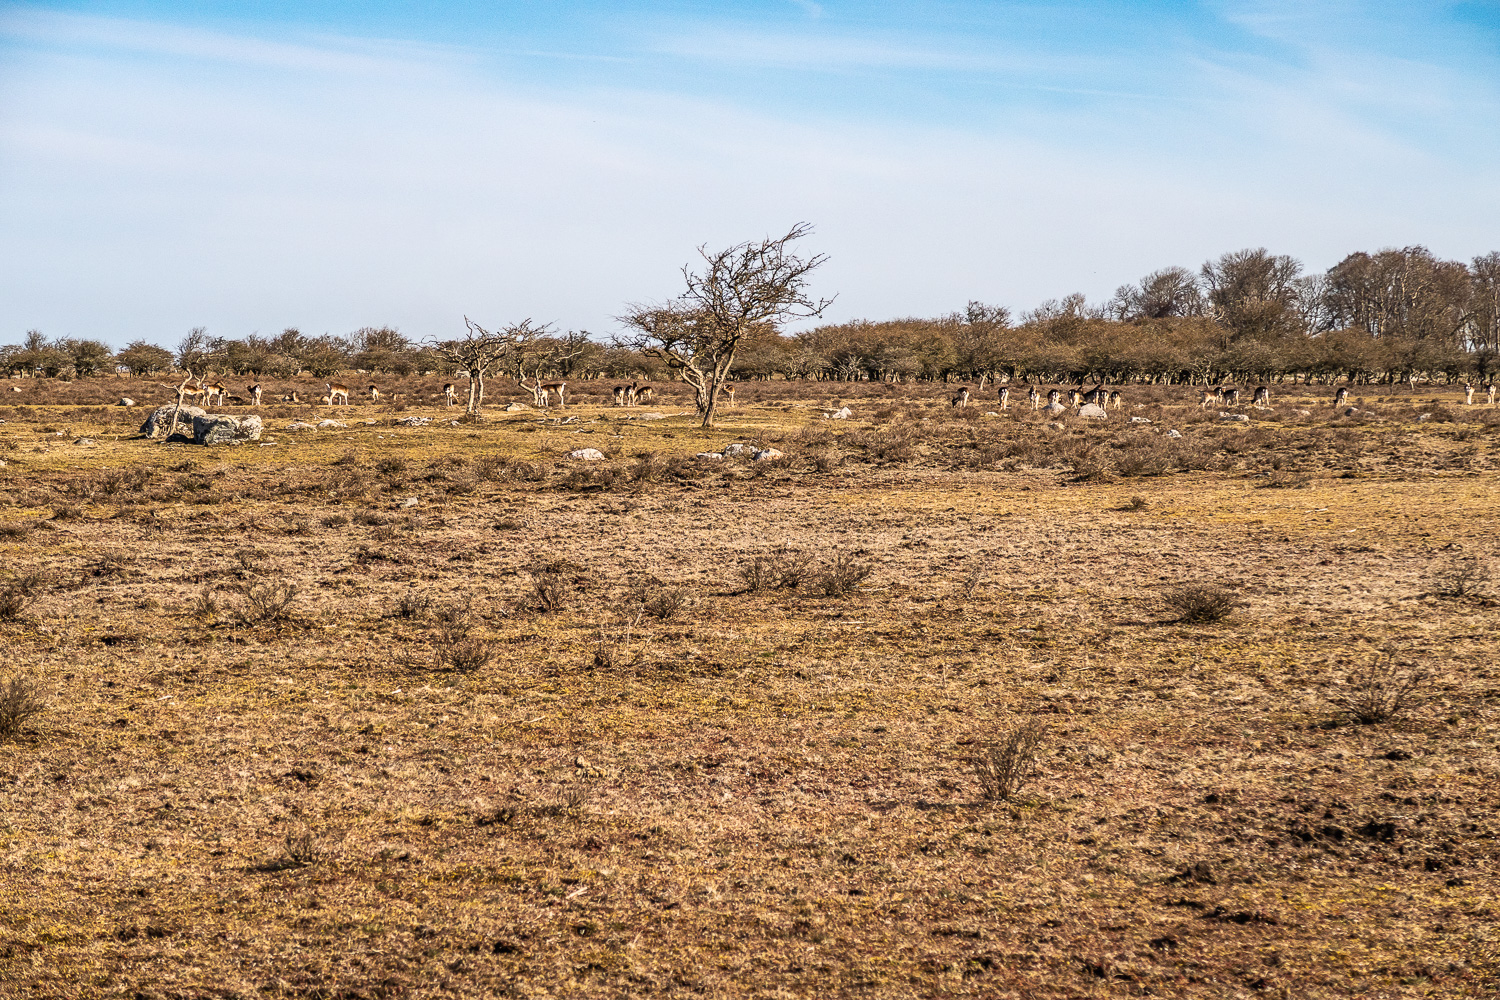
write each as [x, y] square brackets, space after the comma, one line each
[224, 429]
[159, 424]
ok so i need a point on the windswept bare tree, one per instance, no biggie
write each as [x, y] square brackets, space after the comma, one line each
[479, 352]
[748, 287]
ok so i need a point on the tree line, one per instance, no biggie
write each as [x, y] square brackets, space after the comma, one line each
[1250, 315]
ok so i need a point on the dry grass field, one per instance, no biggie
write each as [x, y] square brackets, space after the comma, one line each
[391, 711]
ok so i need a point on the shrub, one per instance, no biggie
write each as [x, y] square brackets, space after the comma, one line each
[550, 590]
[1460, 576]
[841, 577]
[1200, 603]
[780, 570]
[467, 656]
[205, 606]
[412, 605]
[665, 602]
[1009, 761]
[454, 621]
[1285, 479]
[1377, 692]
[18, 593]
[264, 603]
[20, 701]
[15, 532]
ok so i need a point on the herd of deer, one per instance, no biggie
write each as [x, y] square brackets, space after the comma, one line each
[636, 394]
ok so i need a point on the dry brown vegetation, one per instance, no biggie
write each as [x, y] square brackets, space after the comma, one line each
[400, 711]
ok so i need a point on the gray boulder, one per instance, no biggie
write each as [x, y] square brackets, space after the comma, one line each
[125, 401]
[843, 413]
[767, 455]
[1174, 434]
[1238, 418]
[224, 429]
[733, 450]
[1093, 411]
[329, 425]
[159, 424]
[587, 455]
[1055, 409]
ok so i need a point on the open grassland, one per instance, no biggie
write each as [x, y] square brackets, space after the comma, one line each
[392, 711]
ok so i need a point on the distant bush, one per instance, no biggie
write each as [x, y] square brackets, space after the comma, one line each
[782, 569]
[840, 577]
[1460, 575]
[1377, 692]
[1200, 603]
[20, 701]
[1009, 761]
[17, 593]
[264, 603]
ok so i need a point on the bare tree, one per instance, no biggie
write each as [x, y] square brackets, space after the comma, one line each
[479, 351]
[538, 354]
[749, 286]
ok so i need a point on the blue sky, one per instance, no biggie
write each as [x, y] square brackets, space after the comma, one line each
[252, 166]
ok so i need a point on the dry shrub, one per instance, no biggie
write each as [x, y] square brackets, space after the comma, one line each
[1460, 576]
[454, 621]
[19, 592]
[1200, 603]
[782, 569]
[550, 590]
[467, 656]
[16, 532]
[205, 606]
[615, 649]
[20, 701]
[840, 577]
[412, 605]
[657, 599]
[1146, 455]
[1009, 761]
[264, 603]
[1378, 691]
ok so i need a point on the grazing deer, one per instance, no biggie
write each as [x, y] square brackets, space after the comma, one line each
[213, 390]
[1412, 381]
[643, 395]
[291, 397]
[1005, 397]
[1490, 391]
[1097, 395]
[336, 392]
[1054, 397]
[549, 389]
[619, 393]
[962, 399]
[1468, 394]
[1341, 396]
[1075, 396]
[1262, 396]
[1034, 397]
[450, 394]
[1229, 394]
[1209, 396]
[254, 391]
[727, 391]
[374, 394]
[1115, 398]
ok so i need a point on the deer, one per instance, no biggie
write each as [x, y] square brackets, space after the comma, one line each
[1005, 397]
[1490, 391]
[1229, 394]
[962, 399]
[727, 391]
[212, 390]
[254, 391]
[548, 389]
[336, 392]
[643, 395]
[450, 393]
[1209, 396]
[291, 397]
[1054, 397]
[1341, 396]
[1114, 398]
[1262, 396]
[1097, 395]
[374, 394]
[1034, 397]
[1468, 394]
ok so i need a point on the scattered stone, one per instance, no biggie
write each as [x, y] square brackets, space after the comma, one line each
[731, 450]
[300, 425]
[1056, 425]
[1304, 413]
[711, 456]
[1174, 434]
[453, 423]
[125, 401]
[1351, 411]
[1093, 411]
[1234, 417]
[1140, 420]
[587, 455]
[414, 422]
[1055, 409]
[224, 429]
[767, 455]
[329, 425]
[1422, 418]
[371, 423]
[650, 416]
[409, 502]
[843, 413]
[85, 441]
[160, 421]
[517, 408]
[991, 413]
[268, 444]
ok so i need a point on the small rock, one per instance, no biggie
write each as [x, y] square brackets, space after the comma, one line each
[371, 423]
[991, 413]
[125, 401]
[516, 408]
[733, 450]
[1056, 425]
[409, 502]
[650, 416]
[1055, 409]
[268, 444]
[843, 413]
[587, 455]
[1235, 418]
[1093, 411]
[1174, 434]
[84, 441]
[1422, 418]
[329, 425]
[1140, 420]
[300, 425]
[453, 423]
[1351, 411]
[767, 455]
[1304, 413]
[712, 456]
[415, 422]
